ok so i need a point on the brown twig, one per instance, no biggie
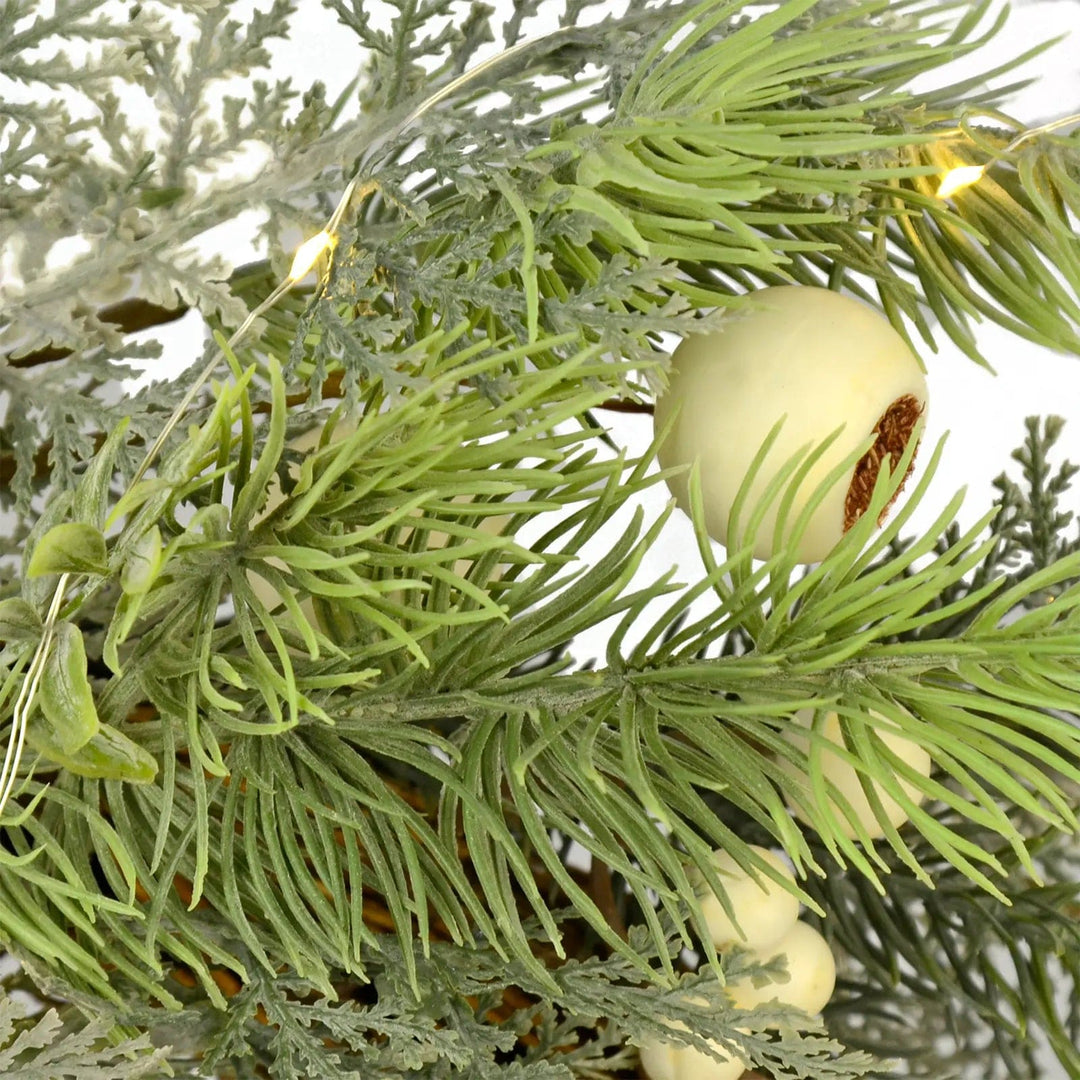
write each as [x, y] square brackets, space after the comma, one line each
[619, 405]
[128, 315]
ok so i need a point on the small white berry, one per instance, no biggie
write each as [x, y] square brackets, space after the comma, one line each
[670, 1061]
[846, 778]
[764, 910]
[811, 969]
[666, 1061]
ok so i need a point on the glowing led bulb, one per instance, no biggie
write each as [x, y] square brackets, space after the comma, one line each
[959, 178]
[307, 253]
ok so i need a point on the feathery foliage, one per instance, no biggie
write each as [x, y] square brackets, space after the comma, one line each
[1002, 979]
[300, 795]
[43, 1049]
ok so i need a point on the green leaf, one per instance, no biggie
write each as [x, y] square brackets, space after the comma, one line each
[92, 496]
[71, 548]
[153, 197]
[588, 201]
[18, 620]
[143, 564]
[141, 568]
[65, 697]
[108, 755]
[253, 494]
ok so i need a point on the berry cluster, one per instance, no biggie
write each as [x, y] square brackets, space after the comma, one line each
[762, 917]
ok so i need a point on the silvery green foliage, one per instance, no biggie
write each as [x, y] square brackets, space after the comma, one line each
[466, 1019]
[489, 167]
[983, 989]
[130, 199]
[45, 1048]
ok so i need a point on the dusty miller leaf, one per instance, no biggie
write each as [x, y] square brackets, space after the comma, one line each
[46, 1049]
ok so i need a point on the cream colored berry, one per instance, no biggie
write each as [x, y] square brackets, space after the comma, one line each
[666, 1061]
[811, 969]
[846, 778]
[819, 359]
[671, 1061]
[764, 910]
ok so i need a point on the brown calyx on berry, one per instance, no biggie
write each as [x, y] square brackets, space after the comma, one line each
[892, 433]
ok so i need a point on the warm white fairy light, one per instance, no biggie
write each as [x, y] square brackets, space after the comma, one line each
[307, 254]
[963, 176]
[959, 178]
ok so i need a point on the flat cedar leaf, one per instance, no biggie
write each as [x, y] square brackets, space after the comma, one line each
[523, 1070]
[71, 548]
[41, 1049]
[65, 697]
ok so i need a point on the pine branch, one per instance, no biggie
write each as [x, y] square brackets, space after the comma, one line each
[980, 965]
[595, 755]
[812, 199]
[1032, 521]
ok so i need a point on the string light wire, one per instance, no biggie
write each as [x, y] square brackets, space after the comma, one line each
[963, 176]
[27, 692]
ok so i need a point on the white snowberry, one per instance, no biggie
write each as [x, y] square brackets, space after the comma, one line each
[816, 358]
[846, 778]
[764, 910]
[671, 1061]
[811, 970]
[666, 1061]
